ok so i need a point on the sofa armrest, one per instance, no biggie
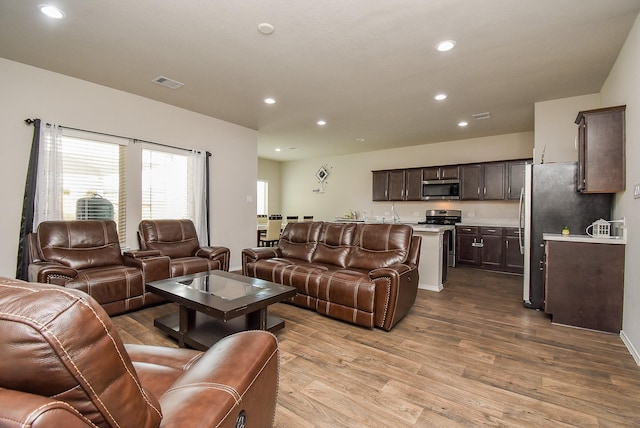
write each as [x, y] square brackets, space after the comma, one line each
[51, 273]
[22, 409]
[153, 267]
[237, 377]
[250, 255]
[396, 290]
[221, 254]
[141, 254]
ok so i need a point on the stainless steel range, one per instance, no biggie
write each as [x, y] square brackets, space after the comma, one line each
[445, 218]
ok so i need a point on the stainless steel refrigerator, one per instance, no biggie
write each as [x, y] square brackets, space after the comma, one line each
[550, 202]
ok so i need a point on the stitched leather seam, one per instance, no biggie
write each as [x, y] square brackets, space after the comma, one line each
[43, 327]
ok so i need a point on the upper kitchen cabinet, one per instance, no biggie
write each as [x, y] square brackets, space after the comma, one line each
[482, 181]
[380, 188]
[601, 150]
[515, 179]
[413, 184]
[441, 172]
[397, 185]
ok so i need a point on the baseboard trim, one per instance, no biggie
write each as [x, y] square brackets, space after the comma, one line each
[429, 287]
[632, 350]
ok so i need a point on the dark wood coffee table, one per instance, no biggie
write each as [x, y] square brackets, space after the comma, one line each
[216, 304]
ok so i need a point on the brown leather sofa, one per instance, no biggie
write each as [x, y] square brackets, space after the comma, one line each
[86, 255]
[64, 365]
[178, 240]
[366, 274]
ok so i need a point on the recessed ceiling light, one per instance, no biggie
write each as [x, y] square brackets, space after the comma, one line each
[463, 123]
[445, 45]
[269, 101]
[51, 11]
[321, 122]
[265, 28]
[278, 149]
[440, 97]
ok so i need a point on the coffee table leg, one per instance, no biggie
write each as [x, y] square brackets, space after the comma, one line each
[257, 320]
[187, 320]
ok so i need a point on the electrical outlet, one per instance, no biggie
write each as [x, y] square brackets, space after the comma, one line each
[636, 191]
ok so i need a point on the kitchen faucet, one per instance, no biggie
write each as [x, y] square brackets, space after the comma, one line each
[395, 218]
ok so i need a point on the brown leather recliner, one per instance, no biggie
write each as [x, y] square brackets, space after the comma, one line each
[178, 240]
[64, 365]
[86, 255]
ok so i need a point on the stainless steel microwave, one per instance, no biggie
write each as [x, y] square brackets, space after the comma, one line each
[440, 189]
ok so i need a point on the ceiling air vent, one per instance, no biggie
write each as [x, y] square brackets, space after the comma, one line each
[481, 116]
[169, 83]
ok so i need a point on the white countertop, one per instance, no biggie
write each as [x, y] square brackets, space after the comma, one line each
[431, 228]
[582, 238]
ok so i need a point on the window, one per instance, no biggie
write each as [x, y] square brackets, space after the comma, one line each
[93, 181]
[165, 185]
[262, 199]
[83, 175]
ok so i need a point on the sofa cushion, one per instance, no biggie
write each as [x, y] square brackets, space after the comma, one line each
[302, 251]
[80, 244]
[331, 255]
[337, 234]
[108, 284]
[380, 245]
[173, 238]
[298, 240]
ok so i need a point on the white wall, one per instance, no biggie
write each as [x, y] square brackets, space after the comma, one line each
[29, 92]
[348, 186]
[622, 87]
[555, 131]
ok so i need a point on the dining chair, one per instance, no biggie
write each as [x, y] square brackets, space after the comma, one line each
[272, 236]
[292, 218]
[262, 219]
[307, 218]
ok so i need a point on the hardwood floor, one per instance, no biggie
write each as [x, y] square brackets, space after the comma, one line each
[470, 355]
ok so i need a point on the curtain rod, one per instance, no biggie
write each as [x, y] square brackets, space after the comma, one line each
[135, 140]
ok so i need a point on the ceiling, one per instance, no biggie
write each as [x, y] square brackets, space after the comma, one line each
[367, 67]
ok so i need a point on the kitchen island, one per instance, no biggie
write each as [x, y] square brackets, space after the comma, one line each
[434, 252]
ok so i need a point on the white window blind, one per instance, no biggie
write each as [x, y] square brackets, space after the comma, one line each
[165, 186]
[94, 181]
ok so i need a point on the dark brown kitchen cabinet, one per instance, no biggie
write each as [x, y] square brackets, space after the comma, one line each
[584, 284]
[470, 182]
[413, 184]
[513, 258]
[494, 181]
[482, 182]
[441, 172]
[396, 185]
[380, 188]
[491, 248]
[487, 247]
[601, 150]
[515, 179]
[467, 241]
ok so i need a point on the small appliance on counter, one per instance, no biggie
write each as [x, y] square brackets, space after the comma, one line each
[602, 229]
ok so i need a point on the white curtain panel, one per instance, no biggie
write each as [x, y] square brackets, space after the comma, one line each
[48, 201]
[197, 193]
